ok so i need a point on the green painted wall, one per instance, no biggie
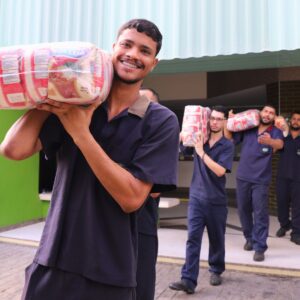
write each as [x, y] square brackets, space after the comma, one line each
[19, 200]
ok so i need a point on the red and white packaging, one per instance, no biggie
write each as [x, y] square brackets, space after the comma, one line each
[72, 72]
[195, 121]
[245, 120]
[12, 90]
[281, 123]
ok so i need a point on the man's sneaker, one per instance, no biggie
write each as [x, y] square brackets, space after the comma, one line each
[248, 246]
[258, 256]
[295, 240]
[182, 285]
[281, 232]
[215, 279]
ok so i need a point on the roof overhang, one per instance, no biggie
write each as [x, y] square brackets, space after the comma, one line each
[279, 59]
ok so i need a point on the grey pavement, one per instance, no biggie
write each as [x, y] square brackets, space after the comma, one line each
[278, 277]
[236, 285]
[282, 254]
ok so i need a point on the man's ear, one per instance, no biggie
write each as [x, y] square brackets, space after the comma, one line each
[154, 64]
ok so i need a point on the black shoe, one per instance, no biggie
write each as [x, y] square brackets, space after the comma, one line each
[215, 279]
[295, 240]
[281, 232]
[258, 256]
[248, 246]
[182, 285]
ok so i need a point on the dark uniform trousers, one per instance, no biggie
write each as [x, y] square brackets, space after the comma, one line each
[252, 198]
[146, 271]
[202, 214]
[288, 196]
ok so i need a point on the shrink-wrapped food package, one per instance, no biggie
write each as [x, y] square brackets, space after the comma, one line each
[281, 123]
[72, 72]
[244, 120]
[195, 121]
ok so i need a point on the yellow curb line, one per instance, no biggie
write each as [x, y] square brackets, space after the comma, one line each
[238, 267]
[19, 242]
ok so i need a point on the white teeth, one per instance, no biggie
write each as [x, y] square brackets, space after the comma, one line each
[127, 64]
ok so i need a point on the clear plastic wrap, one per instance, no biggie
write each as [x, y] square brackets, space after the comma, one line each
[195, 121]
[73, 72]
[244, 120]
[281, 123]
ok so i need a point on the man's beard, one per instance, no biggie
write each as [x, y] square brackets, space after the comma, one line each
[132, 81]
[294, 128]
[265, 123]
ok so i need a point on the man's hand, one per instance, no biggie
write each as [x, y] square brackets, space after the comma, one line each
[199, 145]
[265, 139]
[231, 114]
[76, 119]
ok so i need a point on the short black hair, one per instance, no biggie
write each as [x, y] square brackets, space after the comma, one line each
[270, 105]
[221, 109]
[295, 112]
[145, 26]
[152, 91]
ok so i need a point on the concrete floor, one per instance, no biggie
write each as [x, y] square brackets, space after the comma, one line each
[282, 254]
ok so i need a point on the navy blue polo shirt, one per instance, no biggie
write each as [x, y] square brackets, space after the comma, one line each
[256, 159]
[86, 231]
[206, 185]
[289, 161]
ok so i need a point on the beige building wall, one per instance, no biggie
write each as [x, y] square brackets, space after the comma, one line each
[179, 86]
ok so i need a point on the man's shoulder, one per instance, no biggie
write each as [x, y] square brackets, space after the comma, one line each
[227, 145]
[161, 109]
[226, 142]
[277, 133]
[161, 114]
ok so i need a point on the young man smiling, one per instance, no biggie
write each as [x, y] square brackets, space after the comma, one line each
[207, 204]
[109, 158]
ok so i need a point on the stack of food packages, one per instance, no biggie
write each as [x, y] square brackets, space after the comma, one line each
[195, 121]
[73, 72]
[245, 120]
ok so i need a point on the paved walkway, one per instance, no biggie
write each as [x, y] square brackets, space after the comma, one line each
[278, 277]
[282, 255]
[236, 285]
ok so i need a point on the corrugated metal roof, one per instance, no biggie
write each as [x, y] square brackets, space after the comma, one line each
[191, 28]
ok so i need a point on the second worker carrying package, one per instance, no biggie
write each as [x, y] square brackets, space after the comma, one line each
[72, 72]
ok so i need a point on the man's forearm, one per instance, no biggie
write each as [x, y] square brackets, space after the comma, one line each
[129, 192]
[212, 165]
[21, 140]
[276, 144]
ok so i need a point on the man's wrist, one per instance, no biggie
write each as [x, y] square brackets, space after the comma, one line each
[203, 155]
[271, 143]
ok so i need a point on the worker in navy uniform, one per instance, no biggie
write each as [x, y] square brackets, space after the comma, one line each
[253, 179]
[147, 220]
[288, 182]
[207, 204]
[110, 156]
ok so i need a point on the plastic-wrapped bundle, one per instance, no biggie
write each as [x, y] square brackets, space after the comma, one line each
[73, 72]
[281, 123]
[245, 120]
[195, 121]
